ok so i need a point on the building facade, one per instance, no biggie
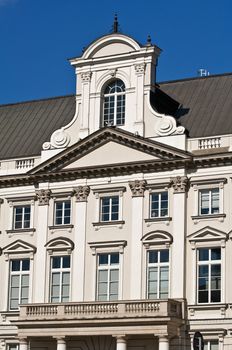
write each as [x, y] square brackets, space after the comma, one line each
[115, 211]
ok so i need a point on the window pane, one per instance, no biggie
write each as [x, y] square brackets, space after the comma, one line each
[25, 265]
[103, 259]
[215, 200]
[56, 279]
[15, 265]
[203, 297]
[15, 281]
[66, 261]
[204, 202]
[153, 256]
[164, 255]
[65, 278]
[216, 254]
[25, 280]
[203, 254]
[56, 262]
[114, 258]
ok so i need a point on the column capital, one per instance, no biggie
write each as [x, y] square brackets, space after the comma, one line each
[60, 340]
[43, 196]
[179, 184]
[138, 187]
[22, 340]
[120, 338]
[86, 77]
[140, 69]
[81, 193]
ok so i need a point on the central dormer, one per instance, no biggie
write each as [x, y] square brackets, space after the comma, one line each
[114, 75]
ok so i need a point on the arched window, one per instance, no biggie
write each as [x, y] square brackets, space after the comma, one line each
[114, 103]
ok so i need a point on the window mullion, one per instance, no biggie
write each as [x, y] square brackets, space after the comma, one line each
[115, 109]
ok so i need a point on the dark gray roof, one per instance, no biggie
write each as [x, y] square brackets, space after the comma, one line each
[206, 104]
[25, 126]
[202, 105]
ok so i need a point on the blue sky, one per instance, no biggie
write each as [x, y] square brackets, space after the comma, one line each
[37, 37]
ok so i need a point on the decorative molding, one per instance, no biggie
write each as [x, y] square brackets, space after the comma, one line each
[138, 187]
[59, 244]
[43, 196]
[140, 69]
[86, 77]
[116, 246]
[81, 193]
[59, 139]
[179, 184]
[208, 234]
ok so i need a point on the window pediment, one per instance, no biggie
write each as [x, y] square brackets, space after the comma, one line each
[157, 237]
[18, 247]
[208, 234]
[59, 244]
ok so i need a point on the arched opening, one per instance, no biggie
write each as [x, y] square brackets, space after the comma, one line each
[114, 103]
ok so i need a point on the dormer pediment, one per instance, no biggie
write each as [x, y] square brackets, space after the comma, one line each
[208, 234]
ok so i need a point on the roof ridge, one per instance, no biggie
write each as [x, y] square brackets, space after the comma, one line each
[193, 78]
[36, 100]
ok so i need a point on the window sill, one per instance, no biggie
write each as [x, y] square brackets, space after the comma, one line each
[21, 230]
[197, 218]
[101, 224]
[67, 227]
[164, 219]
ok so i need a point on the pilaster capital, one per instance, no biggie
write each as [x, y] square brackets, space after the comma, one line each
[120, 338]
[86, 77]
[43, 196]
[138, 187]
[180, 184]
[22, 340]
[60, 340]
[140, 69]
[81, 193]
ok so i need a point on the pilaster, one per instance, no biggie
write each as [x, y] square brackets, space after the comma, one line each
[43, 197]
[137, 188]
[139, 122]
[180, 186]
[81, 194]
[85, 93]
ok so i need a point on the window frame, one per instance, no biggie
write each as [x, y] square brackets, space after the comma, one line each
[63, 201]
[110, 213]
[208, 263]
[20, 202]
[115, 96]
[19, 273]
[109, 268]
[23, 207]
[209, 342]
[158, 265]
[61, 271]
[159, 193]
[210, 201]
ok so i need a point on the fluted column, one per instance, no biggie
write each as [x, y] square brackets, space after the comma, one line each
[137, 188]
[163, 343]
[180, 185]
[81, 195]
[43, 197]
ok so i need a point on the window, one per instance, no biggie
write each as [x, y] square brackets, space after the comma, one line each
[109, 208]
[12, 346]
[158, 274]
[60, 278]
[159, 204]
[114, 104]
[19, 282]
[22, 217]
[209, 201]
[209, 275]
[108, 277]
[63, 212]
[211, 345]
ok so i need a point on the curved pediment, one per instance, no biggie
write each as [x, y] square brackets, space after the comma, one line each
[60, 244]
[18, 247]
[157, 237]
[207, 234]
[110, 45]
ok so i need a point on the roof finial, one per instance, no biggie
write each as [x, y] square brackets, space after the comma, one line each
[115, 30]
[148, 40]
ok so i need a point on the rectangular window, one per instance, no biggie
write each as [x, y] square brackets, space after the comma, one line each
[209, 275]
[211, 345]
[60, 279]
[22, 217]
[19, 282]
[158, 274]
[209, 201]
[158, 204]
[12, 346]
[108, 277]
[63, 212]
[109, 208]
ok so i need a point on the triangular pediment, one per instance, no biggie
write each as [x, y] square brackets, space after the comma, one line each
[207, 234]
[109, 147]
[18, 247]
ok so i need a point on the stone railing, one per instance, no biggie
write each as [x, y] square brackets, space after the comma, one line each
[24, 163]
[209, 143]
[98, 310]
